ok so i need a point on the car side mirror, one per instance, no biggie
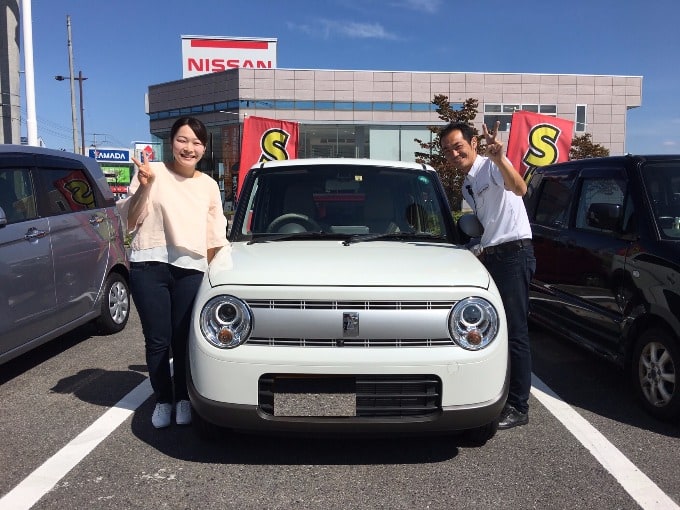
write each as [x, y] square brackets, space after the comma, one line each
[470, 225]
[604, 216]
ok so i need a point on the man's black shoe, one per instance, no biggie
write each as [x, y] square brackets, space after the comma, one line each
[511, 417]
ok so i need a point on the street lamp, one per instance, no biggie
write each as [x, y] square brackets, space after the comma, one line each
[80, 79]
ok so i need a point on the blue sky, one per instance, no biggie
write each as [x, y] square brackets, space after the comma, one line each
[123, 46]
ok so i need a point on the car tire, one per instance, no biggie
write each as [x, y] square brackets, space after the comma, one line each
[654, 368]
[115, 305]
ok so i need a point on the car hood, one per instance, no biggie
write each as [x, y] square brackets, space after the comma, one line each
[330, 263]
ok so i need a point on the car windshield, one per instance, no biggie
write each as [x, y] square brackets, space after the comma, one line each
[341, 202]
[662, 180]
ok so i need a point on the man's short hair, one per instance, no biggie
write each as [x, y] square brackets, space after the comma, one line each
[466, 130]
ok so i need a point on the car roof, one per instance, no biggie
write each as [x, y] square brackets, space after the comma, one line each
[342, 161]
[30, 149]
[555, 167]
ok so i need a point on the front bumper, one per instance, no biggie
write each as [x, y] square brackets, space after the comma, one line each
[235, 396]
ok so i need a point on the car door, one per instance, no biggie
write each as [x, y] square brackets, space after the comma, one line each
[80, 234]
[549, 205]
[591, 257]
[27, 286]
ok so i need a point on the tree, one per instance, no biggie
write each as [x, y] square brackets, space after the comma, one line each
[582, 147]
[451, 178]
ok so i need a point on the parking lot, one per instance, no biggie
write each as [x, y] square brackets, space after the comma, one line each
[76, 433]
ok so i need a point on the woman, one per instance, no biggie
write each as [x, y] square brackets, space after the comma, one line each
[177, 223]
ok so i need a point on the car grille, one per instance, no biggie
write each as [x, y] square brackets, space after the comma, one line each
[302, 304]
[377, 396]
[351, 342]
[348, 342]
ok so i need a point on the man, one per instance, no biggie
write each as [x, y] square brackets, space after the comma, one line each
[494, 189]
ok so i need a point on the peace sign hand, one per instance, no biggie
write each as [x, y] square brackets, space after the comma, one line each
[145, 174]
[494, 148]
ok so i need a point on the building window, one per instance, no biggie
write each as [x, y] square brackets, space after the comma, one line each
[580, 118]
[503, 113]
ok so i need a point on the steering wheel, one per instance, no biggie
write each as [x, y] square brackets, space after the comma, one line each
[293, 222]
[666, 221]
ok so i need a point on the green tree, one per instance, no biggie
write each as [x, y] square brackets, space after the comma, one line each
[451, 178]
[582, 147]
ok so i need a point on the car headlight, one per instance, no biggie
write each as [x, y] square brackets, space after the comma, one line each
[473, 323]
[226, 321]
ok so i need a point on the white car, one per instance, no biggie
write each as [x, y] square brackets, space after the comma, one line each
[347, 304]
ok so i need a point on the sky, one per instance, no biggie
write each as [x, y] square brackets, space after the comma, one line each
[123, 46]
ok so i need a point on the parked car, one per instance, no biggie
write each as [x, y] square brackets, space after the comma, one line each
[62, 253]
[607, 242]
[346, 305]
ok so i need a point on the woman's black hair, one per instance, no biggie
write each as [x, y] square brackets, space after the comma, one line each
[196, 126]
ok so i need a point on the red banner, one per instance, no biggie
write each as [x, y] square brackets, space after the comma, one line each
[538, 140]
[266, 140]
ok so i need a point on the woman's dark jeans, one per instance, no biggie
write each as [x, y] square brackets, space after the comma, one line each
[512, 270]
[164, 296]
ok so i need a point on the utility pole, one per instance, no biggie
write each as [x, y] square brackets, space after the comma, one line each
[82, 112]
[31, 121]
[72, 80]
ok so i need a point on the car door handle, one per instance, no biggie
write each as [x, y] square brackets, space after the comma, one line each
[34, 233]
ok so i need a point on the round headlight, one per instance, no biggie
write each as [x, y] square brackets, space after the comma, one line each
[226, 321]
[473, 323]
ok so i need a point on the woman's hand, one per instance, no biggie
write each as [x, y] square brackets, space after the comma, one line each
[145, 174]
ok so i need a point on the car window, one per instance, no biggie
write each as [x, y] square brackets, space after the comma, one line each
[553, 205]
[662, 183]
[17, 196]
[600, 205]
[343, 200]
[67, 190]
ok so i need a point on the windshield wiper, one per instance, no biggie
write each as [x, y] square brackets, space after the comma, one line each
[397, 236]
[288, 236]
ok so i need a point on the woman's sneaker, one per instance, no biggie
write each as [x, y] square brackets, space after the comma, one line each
[161, 416]
[183, 412]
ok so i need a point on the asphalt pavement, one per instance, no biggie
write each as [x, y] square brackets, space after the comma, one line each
[76, 433]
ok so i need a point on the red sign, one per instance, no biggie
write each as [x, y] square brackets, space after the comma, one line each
[538, 140]
[76, 190]
[266, 140]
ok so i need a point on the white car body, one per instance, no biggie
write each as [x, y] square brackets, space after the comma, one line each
[334, 322]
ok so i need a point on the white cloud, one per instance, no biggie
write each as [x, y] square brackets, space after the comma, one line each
[669, 143]
[328, 28]
[429, 6]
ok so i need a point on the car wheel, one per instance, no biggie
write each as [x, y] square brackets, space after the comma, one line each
[115, 305]
[656, 360]
[480, 435]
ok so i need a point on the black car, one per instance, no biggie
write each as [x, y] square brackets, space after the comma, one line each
[607, 243]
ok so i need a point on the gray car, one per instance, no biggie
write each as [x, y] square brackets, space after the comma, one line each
[62, 252]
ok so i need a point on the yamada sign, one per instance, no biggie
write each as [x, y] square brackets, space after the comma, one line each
[107, 155]
[203, 55]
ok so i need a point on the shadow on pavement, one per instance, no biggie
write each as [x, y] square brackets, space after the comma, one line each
[585, 381]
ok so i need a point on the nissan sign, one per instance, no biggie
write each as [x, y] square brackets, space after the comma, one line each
[203, 54]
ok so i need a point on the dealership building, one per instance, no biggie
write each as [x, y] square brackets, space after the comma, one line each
[363, 113]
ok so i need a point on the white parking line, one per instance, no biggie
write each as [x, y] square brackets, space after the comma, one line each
[645, 492]
[40, 481]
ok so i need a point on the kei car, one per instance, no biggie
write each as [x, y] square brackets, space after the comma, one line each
[347, 305]
[62, 250]
[607, 242]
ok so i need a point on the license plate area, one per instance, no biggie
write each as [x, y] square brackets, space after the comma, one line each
[314, 396]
